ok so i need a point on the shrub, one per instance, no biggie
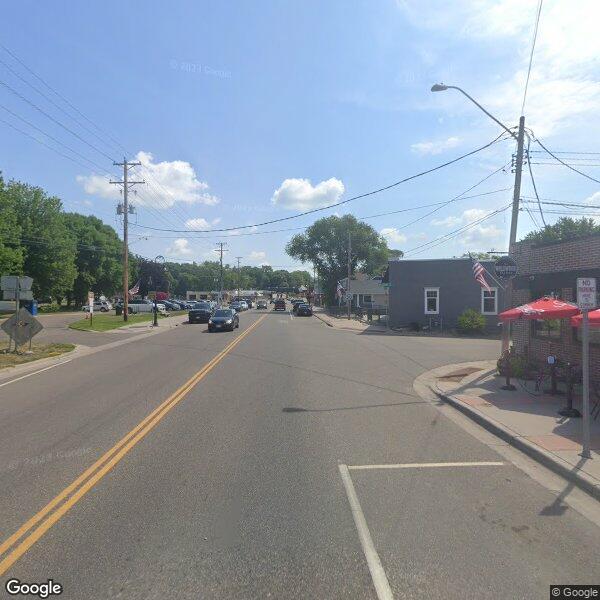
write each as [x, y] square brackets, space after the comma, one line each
[49, 308]
[519, 365]
[470, 321]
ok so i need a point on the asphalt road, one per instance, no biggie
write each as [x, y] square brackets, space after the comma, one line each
[233, 489]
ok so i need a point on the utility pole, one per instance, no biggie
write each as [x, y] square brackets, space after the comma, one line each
[126, 210]
[513, 227]
[348, 294]
[239, 275]
[220, 251]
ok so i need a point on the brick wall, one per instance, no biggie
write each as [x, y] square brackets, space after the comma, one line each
[541, 259]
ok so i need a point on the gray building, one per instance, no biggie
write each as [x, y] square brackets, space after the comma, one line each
[434, 292]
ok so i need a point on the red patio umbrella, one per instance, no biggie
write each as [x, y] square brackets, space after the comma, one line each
[544, 308]
[593, 318]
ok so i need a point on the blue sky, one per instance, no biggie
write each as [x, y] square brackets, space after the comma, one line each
[244, 112]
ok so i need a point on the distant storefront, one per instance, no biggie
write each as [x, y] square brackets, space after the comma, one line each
[552, 269]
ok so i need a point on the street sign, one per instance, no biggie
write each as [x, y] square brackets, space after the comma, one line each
[586, 293]
[22, 326]
[12, 295]
[505, 267]
[13, 282]
[348, 296]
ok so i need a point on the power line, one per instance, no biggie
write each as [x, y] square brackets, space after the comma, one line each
[537, 140]
[304, 228]
[49, 116]
[33, 87]
[366, 194]
[532, 178]
[55, 140]
[59, 95]
[444, 238]
[535, 32]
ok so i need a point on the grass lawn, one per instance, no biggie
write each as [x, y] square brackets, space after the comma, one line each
[10, 359]
[104, 322]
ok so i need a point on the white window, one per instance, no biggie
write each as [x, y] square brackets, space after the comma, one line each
[432, 301]
[489, 301]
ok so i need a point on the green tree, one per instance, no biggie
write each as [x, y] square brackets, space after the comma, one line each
[49, 247]
[564, 229]
[325, 245]
[11, 250]
[98, 257]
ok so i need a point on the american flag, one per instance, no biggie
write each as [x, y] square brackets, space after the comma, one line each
[339, 290]
[135, 289]
[478, 273]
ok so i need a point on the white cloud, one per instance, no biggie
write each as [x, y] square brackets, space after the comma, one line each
[563, 89]
[393, 235]
[200, 223]
[257, 255]
[180, 248]
[450, 221]
[300, 194]
[435, 147]
[483, 233]
[167, 182]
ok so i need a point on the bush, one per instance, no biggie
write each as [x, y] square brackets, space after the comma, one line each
[471, 322]
[414, 326]
[49, 308]
[519, 365]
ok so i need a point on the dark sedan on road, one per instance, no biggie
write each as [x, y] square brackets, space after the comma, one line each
[222, 319]
[279, 304]
[201, 313]
[304, 310]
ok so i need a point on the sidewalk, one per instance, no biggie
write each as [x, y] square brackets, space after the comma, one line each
[528, 422]
[348, 324]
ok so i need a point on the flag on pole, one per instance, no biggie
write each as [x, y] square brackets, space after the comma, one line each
[479, 274]
[135, 289]
[339, 292]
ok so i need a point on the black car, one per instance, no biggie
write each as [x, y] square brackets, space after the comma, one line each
[279, 304]
[224, 318]
[296, 304]
[201, 313]
[304, 310]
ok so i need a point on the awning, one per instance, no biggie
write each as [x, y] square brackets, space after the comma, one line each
[544, 308]
[593, 318]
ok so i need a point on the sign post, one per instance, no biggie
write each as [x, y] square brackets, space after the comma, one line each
[586, 300]
[91, 306]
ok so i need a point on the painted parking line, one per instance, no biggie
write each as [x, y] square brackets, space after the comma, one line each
[378, 575]
[428, 465]
[380, 580]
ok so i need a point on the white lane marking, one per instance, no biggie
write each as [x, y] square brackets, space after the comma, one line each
[428, 465]
[64, 362]
[380, 580]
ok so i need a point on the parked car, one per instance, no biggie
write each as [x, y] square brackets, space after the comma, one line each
[237, 306]
[249, 301]
[99, 306]
[244, 305]
[201, 313]
[296, 303]
[279, 304]
[304, 310]
[141, 306]
[262, 304]
[224, 318]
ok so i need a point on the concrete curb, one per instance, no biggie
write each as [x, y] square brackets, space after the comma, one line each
[322, 320]
[581, 480]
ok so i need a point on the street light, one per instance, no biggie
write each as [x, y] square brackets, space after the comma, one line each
[441, 87]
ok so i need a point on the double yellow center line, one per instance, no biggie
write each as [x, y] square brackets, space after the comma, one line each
[15, 546]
